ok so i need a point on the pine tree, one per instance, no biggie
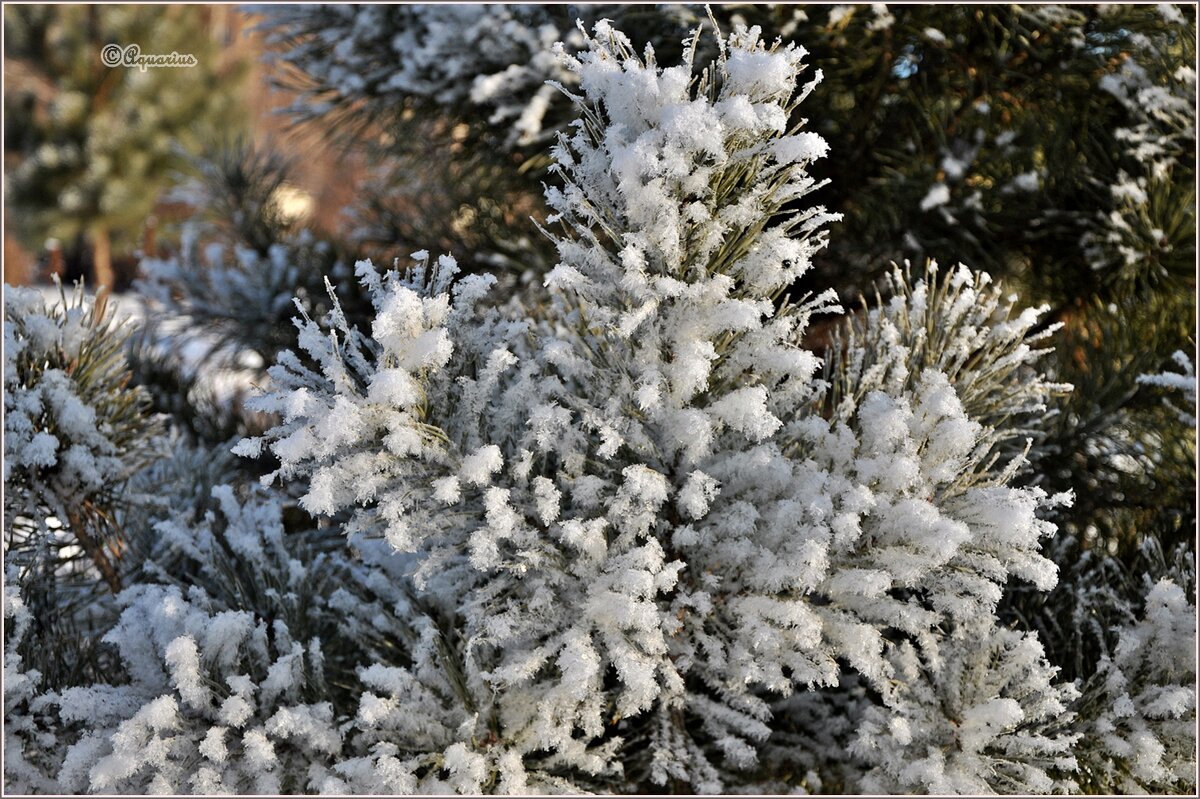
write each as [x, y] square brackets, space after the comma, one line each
[675, 520]
[1049, 145]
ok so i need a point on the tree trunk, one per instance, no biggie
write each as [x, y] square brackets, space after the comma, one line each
[102, 271]
[55, 264]
[150, 239]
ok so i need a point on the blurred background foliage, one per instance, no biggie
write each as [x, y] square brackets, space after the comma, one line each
[1052, 146]
[88, 147]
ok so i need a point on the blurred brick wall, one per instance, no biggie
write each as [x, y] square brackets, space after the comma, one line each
[19, 266]
[322, 169]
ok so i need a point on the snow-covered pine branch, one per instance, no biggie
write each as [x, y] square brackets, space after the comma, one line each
[647, 524]
[493, 58]
[1182, 382]
[74, 433]
[986, 719]
[1139, 721]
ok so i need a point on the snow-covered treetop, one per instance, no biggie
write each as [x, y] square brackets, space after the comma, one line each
[634, 477]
